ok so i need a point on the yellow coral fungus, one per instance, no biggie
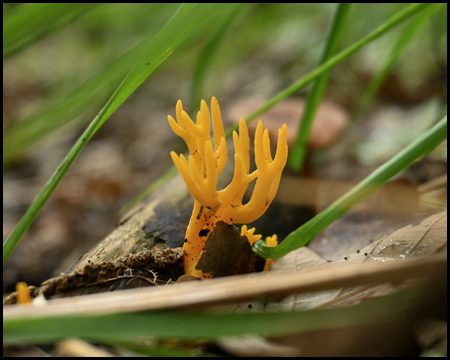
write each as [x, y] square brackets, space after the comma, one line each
[205, 163]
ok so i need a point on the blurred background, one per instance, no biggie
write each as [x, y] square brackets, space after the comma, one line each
[56, 80]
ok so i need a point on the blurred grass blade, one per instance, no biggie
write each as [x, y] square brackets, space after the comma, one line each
[395, 20]
[305, 233]
[189, 325]
[44, 194]
[298, 152]
[155, 185]
[21, 135]
[206, 56]
[28, 23]
[187, 19]
[75, 104]
[305, 80]
[398, 49]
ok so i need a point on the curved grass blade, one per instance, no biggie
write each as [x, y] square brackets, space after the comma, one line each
[19, 137]
[155, 185]
[304, 81]
[305, 233]
[75, 104]
[206, 56]
[395, 20]
[298, 152]
[188, 18]
[403, 41]
[29, 23]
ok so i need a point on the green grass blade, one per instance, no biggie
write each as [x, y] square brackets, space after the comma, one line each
[395, 20]
[191, 325]
[44, 194]
[206, 56]
[19, 138]
[298, 152]
[399, 47]
[308, 78]
[74, 104]
[155, 185]
[29, 23]
[305, 233]
[189, 18]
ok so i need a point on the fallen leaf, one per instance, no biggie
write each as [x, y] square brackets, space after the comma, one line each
[392, 338]
[427, 238]
[226, 252]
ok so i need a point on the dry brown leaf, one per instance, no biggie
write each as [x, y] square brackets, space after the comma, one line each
[427, 238]
[226, 253]
[395, 338]
[367, 221]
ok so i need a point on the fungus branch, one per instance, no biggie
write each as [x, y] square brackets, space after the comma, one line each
[205, 163]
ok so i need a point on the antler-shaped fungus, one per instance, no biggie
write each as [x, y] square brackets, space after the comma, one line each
[200, 176]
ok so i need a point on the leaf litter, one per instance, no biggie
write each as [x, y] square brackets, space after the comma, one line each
[429, 237]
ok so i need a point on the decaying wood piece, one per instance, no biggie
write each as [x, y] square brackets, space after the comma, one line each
[144, 249]
[146, 268]
[160, 222]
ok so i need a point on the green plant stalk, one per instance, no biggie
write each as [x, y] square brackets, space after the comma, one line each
[21, 135]
[31, 22]
[305, 80]
[308, 231]
[189, 17]
[205, 59]
[395, 20]
[155, 185]
[48, 189]
[403, 41]
[298, 152]
[165, 42]
[75, 105]
[191, 325]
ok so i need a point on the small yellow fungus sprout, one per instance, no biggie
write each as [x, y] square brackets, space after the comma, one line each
[206, 162]
[270, 241]
[23, 294]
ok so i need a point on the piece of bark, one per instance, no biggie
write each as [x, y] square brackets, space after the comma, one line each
[147, 241]
[146, 268]
[159, 222]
